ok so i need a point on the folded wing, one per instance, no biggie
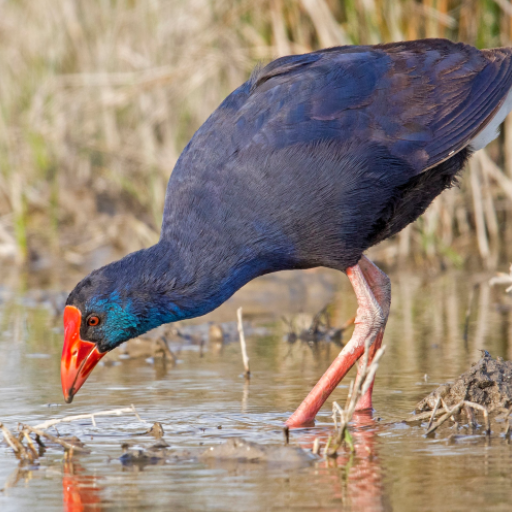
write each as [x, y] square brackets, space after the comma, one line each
[423, 100]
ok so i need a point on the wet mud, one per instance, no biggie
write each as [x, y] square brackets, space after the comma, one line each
[240, 450]
[487, 383]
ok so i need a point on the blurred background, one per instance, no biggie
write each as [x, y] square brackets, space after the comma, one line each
[98, 98]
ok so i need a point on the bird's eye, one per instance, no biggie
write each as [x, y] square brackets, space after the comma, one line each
[93, 321]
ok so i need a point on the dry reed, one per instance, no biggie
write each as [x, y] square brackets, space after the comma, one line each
[97, 99]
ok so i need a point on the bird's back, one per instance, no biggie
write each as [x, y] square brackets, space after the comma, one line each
[319, 156]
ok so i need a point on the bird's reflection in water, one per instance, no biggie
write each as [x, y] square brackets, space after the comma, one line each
[355, 477]
[352, 480]
[81, 492]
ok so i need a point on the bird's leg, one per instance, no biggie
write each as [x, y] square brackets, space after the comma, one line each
[381, 288]
[370, 320]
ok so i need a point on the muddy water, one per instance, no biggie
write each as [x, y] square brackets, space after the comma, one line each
[203, 400]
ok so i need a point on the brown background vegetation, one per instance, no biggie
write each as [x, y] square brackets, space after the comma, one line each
[98, 97]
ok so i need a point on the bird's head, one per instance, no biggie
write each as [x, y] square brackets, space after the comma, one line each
[111, 305]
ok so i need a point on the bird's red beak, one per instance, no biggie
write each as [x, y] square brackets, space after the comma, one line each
[79, 357]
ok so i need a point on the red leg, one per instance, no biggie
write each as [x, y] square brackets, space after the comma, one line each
[370, 321]
[365, 402]
[381, 289]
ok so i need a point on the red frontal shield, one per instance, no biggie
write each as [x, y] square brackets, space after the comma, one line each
[79, 357]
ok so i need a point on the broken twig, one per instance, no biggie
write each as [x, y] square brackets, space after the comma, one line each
[356, 391]
[15, 444]
[456, 410]
[468, 313]
[67, 419]
[65, 444]
[438, 401]
[423, 416]
[241, 334]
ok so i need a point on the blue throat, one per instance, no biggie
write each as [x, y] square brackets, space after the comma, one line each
[155, 286]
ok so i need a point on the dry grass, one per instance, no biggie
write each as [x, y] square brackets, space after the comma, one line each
[98, 97]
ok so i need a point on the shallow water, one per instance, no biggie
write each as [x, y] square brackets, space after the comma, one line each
[204, 399]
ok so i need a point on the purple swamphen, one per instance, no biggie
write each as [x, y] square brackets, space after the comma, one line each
[313, 160]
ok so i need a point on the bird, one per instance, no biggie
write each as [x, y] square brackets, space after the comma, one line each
[309, 163]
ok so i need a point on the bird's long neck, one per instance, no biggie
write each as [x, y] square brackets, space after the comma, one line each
[218, 234]
[176, 283]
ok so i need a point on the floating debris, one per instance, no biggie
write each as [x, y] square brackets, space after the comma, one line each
[157, 431]
[25, 448]
[142, 457]
[239, 450]
[319, 330]
[167, 341]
